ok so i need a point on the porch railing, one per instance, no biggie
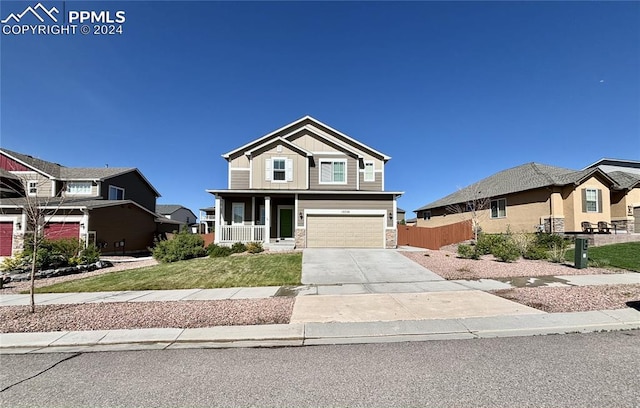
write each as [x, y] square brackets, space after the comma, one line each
[241, 233]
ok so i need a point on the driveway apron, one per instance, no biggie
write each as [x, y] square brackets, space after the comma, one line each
[329, 266]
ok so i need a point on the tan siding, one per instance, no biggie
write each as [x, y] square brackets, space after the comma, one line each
[239, 179]
[241, 161]
[43, 183]
[310, 142]
[299, 181]
[371, 185]
[352, 172]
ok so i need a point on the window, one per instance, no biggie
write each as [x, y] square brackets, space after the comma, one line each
[33, 188]
[261, 218]
[279, 171]
[426, 215]
[116, 193]
[333, 172]
[369, 175]
[591, 200]
[499, 208]
[237, 214]
[79, 187]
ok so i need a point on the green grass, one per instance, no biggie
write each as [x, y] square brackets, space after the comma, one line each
[204, 273]
[623, 256]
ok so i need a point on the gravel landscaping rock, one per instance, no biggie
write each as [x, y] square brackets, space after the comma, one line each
[180, 314]
[449, 266]
[573, 299]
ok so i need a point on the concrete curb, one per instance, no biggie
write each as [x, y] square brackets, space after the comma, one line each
[304, 334]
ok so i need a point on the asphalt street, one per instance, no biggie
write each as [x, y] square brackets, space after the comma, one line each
[574, 370]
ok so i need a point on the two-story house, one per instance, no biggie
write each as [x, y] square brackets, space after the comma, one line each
[310, 184]
[113, 207]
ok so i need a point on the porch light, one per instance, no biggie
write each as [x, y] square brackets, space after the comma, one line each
[390, 215]
[300, 215]
[18, 225]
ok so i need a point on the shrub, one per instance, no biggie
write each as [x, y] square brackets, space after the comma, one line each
[254, 247]
[467, 252]
[216, 251]
[506, 251]
[17, 262]
[546, 240]
[524, 241]
[184, 245]
[238, 248]
[487, 242]
[90, 254]
[557, 252]
[536, 253]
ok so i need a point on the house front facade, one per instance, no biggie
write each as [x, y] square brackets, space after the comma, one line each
[111, 207]
[536, 197]
[308, 184]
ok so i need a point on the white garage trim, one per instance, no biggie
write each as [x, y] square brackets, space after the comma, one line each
[373, 216]
[344, 212]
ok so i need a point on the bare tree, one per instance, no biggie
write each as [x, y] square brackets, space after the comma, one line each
[38, 209]
[474, 203]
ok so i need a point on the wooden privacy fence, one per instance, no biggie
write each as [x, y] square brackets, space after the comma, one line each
[436, 237]
[208, 238]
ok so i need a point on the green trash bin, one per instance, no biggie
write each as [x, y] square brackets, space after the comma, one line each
[581, 257]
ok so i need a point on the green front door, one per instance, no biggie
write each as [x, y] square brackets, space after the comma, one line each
[286, 223]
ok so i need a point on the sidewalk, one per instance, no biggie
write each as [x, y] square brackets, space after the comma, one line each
[354, 313]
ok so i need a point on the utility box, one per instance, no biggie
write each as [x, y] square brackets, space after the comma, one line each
[581, 258]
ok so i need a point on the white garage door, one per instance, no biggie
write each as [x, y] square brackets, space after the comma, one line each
[345, 231]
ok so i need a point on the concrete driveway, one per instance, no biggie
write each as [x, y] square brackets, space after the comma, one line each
[354, 271]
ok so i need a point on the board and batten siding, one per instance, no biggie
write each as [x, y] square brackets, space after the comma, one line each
[259, 179]
[346, 203]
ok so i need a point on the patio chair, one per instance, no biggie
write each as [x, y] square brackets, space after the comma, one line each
[587, 227]
[603, 227]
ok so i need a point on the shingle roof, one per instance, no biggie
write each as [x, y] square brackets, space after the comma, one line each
[521, 178]
[166, 209]
[52, 169]
[400, 210]
[625, 180]
[92, 172]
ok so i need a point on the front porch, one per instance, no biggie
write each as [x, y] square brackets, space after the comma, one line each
[255, 218]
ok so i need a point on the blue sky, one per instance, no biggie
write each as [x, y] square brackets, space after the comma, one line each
[453, 91]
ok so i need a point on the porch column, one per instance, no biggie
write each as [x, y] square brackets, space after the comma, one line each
[267, 218]
[216, 222]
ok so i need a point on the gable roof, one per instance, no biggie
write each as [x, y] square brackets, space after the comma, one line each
[525, 177]
[281, 140]
[166, 209]
[297, 123]
[59, 172]
[625, 180]
[615, 162]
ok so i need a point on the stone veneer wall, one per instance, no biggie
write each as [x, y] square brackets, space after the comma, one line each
[624, 225]
[301, 238]
[391, 238]
[558, 224]
[17, 244]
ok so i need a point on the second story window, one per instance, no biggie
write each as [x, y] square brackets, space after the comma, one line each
[116, 193]
[32, 188]
[279, 170]
[369, 175]
[333, 172]
[79, 187]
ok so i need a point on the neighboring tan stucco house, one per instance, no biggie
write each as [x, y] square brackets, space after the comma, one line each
[534, 197]
[310, 184]
[112, 207]
[625, 203]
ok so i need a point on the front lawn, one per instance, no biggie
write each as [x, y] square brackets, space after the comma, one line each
[623, 256]
[201, 273]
